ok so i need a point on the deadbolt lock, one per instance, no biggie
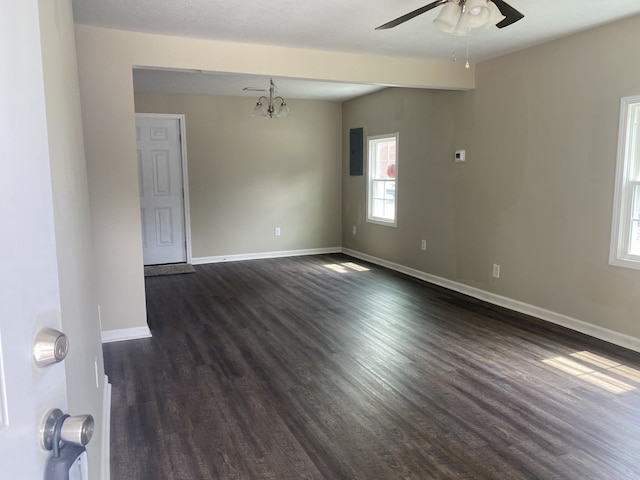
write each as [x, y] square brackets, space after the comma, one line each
[50, 346]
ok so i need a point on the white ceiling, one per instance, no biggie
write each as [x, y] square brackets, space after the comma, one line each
[336, 25]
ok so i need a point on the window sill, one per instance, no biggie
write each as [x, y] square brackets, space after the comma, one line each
[385, 223]
[625, 263]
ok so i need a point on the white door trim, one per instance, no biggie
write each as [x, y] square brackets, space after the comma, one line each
[185, 172]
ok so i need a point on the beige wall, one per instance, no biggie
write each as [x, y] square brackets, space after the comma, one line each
[74, 247]
[424, 122]
[535, 194]
[105, 61]
[248, 175]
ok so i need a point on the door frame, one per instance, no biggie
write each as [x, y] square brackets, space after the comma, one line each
[185, 173]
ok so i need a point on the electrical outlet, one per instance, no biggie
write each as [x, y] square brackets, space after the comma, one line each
[423, 245]
[277, 231]
[354, 230]
[496, 270]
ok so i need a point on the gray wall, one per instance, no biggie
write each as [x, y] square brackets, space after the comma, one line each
[248, 175]
[535, 194]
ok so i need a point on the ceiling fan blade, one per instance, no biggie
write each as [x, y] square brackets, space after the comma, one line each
[415, 13]
[512, 15]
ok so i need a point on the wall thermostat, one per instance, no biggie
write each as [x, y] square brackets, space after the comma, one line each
[460, 155]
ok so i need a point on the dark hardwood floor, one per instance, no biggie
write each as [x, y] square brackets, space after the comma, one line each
[306, 368]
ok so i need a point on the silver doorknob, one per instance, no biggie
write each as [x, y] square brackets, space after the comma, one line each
[50, 346]
[76, 430]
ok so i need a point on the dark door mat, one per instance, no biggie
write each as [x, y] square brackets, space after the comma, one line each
[175, 269]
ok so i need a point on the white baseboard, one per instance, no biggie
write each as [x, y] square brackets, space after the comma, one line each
[109, 336]
[611, 336]
[106, 431]
[262, 255]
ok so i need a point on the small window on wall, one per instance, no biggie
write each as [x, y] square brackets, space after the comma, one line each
[625, 232]
[381, 179]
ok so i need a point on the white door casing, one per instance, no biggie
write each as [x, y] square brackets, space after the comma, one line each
[29, 288]
[162, 185]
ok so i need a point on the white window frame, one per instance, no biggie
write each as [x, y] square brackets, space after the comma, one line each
[371, 141]
[628, 160]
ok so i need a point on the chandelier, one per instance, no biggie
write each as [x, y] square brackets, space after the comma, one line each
[270, 112]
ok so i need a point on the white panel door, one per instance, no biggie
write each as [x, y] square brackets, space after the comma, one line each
[29, 289]
[161, 190]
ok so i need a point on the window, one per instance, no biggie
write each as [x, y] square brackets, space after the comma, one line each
[625, 234]
[381, 179]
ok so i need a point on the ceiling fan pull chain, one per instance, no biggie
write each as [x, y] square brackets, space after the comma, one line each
[466, 65]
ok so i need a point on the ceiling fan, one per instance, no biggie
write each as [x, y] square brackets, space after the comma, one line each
[501, 16]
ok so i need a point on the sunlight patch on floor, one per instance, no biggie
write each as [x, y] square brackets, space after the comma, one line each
[615, 367]
[345, 267]
[584, 364]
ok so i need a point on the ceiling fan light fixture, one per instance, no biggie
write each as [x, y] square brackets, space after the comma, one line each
[449, 16]
[495, 15]
[478, 13]
[463, 28]
[476, 7]
[461, 17]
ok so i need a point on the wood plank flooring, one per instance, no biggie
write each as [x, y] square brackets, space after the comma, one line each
[314, 368]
